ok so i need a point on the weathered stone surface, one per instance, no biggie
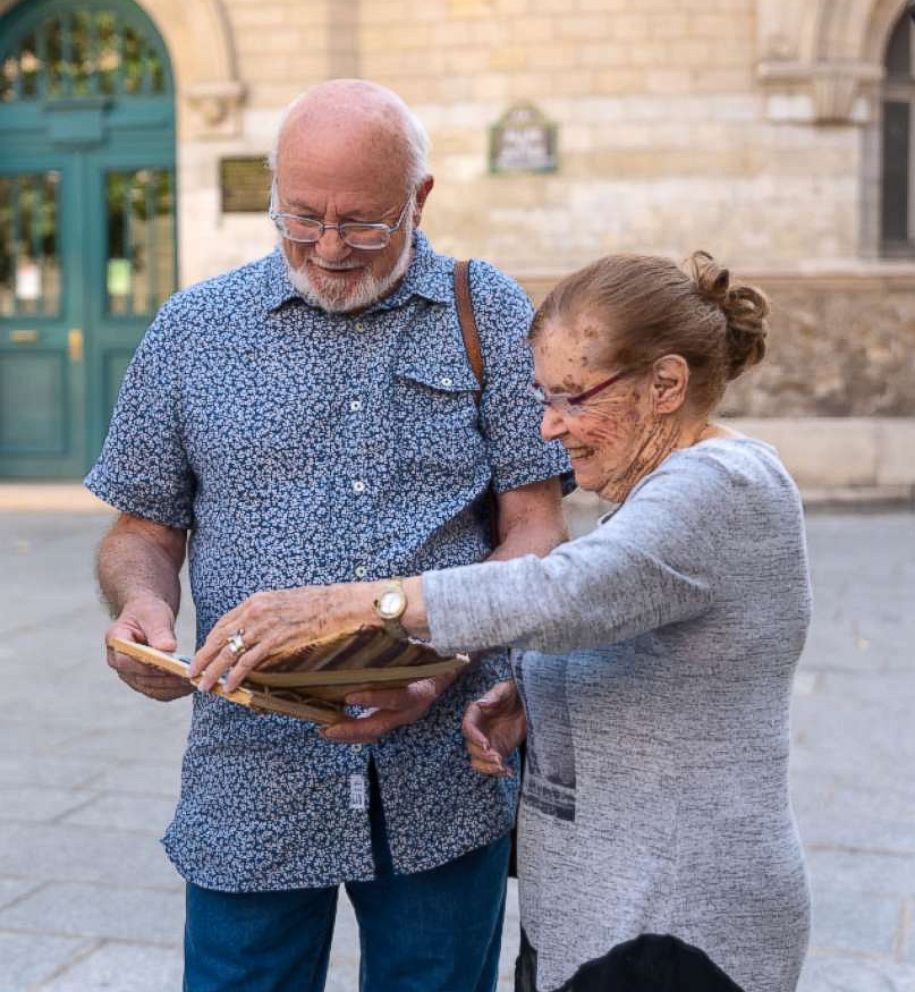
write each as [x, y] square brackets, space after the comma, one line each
[842, 346]
[837, 348]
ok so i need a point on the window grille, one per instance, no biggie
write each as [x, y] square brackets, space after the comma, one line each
[86, 51]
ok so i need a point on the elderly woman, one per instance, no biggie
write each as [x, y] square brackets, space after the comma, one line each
[655, 655]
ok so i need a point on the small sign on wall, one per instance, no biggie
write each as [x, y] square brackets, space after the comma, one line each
[523, 140]
[244, 185]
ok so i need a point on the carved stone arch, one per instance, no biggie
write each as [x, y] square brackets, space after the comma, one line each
[878, 26]
[837, 64]
[203, 58]
[202, 55]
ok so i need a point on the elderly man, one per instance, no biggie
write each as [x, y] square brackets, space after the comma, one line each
[311, 418]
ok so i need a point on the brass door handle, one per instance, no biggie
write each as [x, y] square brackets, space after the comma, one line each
[23, 337]
[75, 344]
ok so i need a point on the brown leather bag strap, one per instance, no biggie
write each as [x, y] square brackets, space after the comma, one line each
[468, 323]
[475, 355]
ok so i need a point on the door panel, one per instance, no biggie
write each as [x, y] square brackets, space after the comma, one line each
[87, 239]
[41, 372]
[134, 269]
[33, 401]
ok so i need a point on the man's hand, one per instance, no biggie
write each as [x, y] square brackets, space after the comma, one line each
[493, 727]
[146, 621]
[387, 710]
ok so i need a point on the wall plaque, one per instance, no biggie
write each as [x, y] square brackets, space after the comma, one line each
[245, 185]
[523, 140]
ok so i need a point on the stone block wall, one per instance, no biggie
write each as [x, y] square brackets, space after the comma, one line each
[670, 139]
[664, 139]
[841, 345]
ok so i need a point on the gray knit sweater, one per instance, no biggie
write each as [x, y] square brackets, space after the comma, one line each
[656, 674]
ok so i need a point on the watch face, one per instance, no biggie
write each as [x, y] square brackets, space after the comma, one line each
[391, 603]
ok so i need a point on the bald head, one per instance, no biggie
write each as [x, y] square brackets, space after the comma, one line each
[343, 118]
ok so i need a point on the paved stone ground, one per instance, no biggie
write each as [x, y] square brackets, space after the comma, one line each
[88, 774]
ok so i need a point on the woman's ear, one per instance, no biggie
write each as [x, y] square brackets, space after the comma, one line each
[670, 377]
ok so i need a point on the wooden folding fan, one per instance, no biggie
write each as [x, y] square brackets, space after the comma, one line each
[312, 685]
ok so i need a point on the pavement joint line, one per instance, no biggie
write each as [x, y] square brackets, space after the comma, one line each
[130, 831]
[61, 817]
[37, 887]
[852, 849]
[65, 966]
[45, 932]
[176, 887]
[825, 951]
[902, 929]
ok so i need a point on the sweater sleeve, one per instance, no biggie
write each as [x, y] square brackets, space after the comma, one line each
[656, 561]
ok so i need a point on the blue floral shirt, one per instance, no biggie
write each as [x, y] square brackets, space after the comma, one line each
[300, 447]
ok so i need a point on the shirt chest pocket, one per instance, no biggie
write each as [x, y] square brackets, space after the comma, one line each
[436, 414]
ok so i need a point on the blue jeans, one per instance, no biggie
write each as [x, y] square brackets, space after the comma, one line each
[435, 931]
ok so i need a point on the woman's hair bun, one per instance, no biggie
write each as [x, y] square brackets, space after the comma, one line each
[745, 309]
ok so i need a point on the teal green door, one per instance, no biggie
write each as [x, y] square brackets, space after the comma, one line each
[87, 232]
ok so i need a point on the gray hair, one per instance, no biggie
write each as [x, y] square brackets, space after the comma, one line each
[415, 136]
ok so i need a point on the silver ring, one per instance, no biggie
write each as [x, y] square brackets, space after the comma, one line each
[236, 644]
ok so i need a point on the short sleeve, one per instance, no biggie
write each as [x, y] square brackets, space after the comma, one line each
[509, 414]
[143, 468]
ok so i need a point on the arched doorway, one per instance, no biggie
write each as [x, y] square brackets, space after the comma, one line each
[87, 230]
[898, 172]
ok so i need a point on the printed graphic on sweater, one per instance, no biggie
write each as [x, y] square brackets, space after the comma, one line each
[549, 775]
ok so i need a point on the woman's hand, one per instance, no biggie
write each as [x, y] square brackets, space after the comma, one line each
[493, 727]
[278, 625]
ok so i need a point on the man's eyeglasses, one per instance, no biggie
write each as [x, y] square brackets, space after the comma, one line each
[573, 403]
[309, 230]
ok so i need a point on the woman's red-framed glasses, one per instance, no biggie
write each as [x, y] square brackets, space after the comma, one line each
[572, 402]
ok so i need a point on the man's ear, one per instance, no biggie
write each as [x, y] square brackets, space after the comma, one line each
[670, 378]
[422, 191]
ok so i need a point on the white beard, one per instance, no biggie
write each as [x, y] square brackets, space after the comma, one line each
[367, 290]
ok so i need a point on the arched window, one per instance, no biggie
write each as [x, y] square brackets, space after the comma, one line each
[897, 230]
[83, 52]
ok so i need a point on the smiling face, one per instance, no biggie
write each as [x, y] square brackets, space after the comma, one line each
[624, 432]
[340, 164]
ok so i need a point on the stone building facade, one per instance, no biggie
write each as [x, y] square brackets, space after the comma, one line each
[756, 129]
[751, 128]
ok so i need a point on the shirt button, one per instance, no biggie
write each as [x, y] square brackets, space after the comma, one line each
[445, 381]
[358, 486]
[360, 326]
[361, 571]
[357, 749]
[355, 405]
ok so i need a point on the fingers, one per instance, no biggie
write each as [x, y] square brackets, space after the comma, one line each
[472, 727]
[488, 760]
[365, 729]
[237, 666]
[391, 708]
[388, 699]
[157, 685]
[212, 647]
[491, 768]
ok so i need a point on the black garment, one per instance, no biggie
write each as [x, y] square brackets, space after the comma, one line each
[650, 963]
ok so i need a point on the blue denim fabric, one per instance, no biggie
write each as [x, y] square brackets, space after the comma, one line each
[436, 931]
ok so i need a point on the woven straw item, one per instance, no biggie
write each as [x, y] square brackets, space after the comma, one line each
[312, 685]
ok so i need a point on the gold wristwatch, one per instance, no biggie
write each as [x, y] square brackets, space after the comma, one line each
[390, 606]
